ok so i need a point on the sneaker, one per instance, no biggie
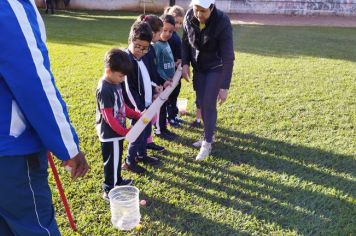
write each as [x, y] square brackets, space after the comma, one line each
[173, 123]
[125, 182]
[153, 161]
[168, 135]
[196, 124]
[204, 151]
[134, 167]
[198, 143]
[179, 120]
[154, 147]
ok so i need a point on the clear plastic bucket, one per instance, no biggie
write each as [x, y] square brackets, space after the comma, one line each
[124, 206]
[182, 105]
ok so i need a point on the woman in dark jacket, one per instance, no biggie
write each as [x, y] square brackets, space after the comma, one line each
[207, 45]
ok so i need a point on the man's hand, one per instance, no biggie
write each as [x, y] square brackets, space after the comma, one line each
[78, 164]
[222, 95]
[186, 73]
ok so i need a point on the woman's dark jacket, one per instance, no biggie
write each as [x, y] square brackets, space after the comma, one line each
[211, 48]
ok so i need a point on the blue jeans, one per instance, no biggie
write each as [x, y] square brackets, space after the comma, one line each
[207, 86]
[25, 197]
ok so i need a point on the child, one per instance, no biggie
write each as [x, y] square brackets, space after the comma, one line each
[166, 70]
[111, 112]
[156, 25]
[176, 45]
[138, 93]
[49, 5]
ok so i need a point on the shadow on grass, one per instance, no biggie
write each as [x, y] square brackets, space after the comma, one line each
[325, 208]
[185, 221]
[306, 163]
[291, 41]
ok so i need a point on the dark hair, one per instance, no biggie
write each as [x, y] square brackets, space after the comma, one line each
[176, 11]
[118, 61]
[168, 19]
[154, 21]
[140, 30]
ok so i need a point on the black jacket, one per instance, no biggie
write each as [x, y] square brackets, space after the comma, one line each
[211, 48]
[133, 87]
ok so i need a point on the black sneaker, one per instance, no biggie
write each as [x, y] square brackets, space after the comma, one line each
[196, 124]
[174, 123]
[170, 133]
[179, 120]
[134, 167]
[125, 182]
[166, 135]
[153, 161]
[154, 147]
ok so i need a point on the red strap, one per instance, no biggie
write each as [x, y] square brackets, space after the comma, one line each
[112, 122]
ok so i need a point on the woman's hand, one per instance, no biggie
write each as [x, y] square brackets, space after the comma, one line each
[186, 73]
[222, 95]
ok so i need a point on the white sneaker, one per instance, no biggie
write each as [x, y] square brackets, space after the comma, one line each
[204, 151]
[198, 143]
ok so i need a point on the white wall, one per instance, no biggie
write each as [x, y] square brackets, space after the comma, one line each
[129, 5]
[289, 7]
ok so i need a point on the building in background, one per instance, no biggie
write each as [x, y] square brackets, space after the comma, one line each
[286, 7]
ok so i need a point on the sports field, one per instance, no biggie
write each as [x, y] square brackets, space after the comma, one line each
[284, 160]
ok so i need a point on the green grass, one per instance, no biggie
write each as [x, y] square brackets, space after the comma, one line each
[284, 159]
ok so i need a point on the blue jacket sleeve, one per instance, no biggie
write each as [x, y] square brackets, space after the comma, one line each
[25, 67]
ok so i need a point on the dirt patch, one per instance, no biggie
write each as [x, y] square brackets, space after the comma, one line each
[260, 19]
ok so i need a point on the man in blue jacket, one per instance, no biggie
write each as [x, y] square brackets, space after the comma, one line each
[33, 119]
[207, 45]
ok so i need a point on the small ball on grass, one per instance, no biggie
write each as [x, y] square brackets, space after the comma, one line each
[138, 227]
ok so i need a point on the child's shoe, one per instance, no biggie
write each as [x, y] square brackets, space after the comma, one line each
[133, 167]
[173, 123]
[125, 182]
[179, 120]
[196, 124]
[166, 134]
[153, 161]
[154, 147]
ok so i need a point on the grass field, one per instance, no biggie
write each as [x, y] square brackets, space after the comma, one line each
[284, 161]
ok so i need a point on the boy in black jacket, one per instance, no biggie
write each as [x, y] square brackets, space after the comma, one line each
[140, 85]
